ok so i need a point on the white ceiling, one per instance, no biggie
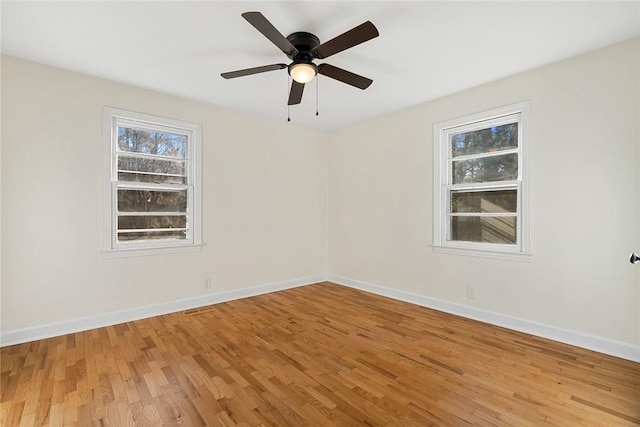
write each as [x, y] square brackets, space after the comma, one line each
[425, 50]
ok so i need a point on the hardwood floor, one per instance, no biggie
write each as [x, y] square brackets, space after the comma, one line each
[320, 355]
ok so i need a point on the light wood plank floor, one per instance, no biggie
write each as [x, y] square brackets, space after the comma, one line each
[320, 355]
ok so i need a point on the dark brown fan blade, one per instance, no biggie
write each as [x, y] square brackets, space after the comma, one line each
[344, 76]
[255, 70]
[295, 96]
[267, 29]
[353, 37]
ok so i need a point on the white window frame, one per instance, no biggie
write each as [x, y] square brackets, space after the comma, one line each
[112, 117]
[443, 186]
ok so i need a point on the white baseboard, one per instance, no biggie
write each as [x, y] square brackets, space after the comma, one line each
[591, 342]
[23, 335]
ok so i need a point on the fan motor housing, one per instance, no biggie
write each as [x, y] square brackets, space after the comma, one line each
[305, 43]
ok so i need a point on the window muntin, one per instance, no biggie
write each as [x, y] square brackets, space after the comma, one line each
[479, 202]
[154, 195]
[149, 155]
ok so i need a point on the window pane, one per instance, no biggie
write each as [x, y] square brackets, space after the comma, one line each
[151, 201]
[486, 169]
[144, 177]
[484, 229]
[485, 201]
[151, 170]
[148, 141]
[153, 221]
[153, 235]
[495, 138]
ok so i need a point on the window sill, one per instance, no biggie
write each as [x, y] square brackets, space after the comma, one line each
[509, 256]
[129, 252]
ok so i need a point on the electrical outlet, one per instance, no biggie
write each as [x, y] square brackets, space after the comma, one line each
[207, 282]
[471, 292]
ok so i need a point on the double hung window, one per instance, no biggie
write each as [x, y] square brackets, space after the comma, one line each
[481, 184]
[153, 194]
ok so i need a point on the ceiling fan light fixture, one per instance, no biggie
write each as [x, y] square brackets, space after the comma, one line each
[303, 72]
[302, 48]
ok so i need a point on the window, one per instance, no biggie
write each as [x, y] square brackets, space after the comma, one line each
[152, 192]
[481, 199]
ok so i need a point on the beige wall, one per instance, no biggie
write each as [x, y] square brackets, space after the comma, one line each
[267, 217]
[585, 200]
[264, 201]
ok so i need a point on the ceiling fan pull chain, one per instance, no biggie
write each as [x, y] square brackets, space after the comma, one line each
[287, 92]
[317, 80]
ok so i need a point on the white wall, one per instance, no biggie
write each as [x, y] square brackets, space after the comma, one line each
[585, 200]
[264, 197]
[265, 201]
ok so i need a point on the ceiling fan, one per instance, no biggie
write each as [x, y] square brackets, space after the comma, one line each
[302, 48]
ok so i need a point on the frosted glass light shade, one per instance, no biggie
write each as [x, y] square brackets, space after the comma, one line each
[303, 72]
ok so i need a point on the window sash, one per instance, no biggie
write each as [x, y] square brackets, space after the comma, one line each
[479, 125]
[136, 185]
[444, 188]
[446, 230]
[150, 243]
[114, 118]
[116, 152]
[446, 223]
